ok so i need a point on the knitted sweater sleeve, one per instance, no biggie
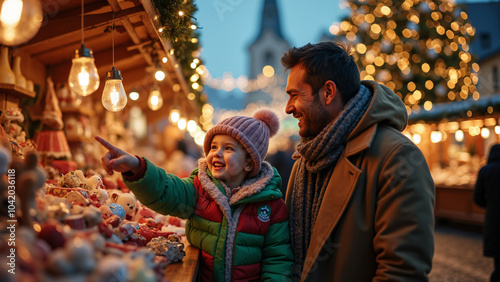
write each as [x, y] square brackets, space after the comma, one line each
[277, 256]
[164, 192]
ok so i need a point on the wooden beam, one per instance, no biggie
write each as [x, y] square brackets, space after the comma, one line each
[103, 60]
[114, 5]
[52, 9]
[62, 27]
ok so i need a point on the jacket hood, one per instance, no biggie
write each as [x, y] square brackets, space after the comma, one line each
[385, 108]
[494, 155]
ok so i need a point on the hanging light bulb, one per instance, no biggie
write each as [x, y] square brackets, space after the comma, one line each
[114, 97]
[20, 20]
[174, 116]
[417, 138]
[485, 132]
[159, 75]
[436, 136]
[182, 123]
[459, 135]
[11, 12]
[191, 125]
[155, 101]
[133, 95]
[83, 78]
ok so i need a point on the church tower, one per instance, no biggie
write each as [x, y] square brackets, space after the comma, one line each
[267, 48]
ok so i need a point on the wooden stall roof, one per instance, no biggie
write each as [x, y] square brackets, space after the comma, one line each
[486, 106]
[137, 48]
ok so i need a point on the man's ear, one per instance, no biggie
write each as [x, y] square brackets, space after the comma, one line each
[330, 91]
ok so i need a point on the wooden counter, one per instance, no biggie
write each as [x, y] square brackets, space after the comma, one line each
[187, 269]
[456, 203]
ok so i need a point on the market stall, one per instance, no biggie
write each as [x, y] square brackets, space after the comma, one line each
[64, 217]
[455, 139]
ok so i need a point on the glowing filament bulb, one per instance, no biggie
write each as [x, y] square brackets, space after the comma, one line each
[485, 132]
[182, 123]
[436, 136]
[114, 98]
[84, 77]
[11, 12]
[159, 75]
[155, 100]
[191, 125]
[174, 116]
[459, 135]
[134, 95]
[20, 20]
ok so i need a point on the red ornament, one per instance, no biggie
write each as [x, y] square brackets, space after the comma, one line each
[53, 234]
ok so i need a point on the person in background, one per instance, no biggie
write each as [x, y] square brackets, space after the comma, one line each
[283, 162]
[487, 195]
[233, 203]
[360, 194]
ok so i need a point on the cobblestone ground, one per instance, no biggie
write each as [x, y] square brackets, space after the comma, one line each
[458, 256]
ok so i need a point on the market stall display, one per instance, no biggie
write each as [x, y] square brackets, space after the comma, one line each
[70, 222]
[73, 227]
[454, 137]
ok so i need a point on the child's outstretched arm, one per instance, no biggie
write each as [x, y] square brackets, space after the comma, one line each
[117, 160]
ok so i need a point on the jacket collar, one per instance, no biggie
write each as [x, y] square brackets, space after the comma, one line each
[385, 108]
[249, 187]
[360, 142]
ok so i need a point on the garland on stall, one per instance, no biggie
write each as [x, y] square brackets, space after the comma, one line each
[176, 18]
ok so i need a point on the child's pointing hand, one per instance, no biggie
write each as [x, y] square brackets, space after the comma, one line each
[118, 160]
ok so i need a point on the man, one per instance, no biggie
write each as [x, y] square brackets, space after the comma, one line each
[487, 195]
[360, 195]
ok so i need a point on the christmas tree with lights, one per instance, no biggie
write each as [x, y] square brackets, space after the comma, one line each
[419, 49]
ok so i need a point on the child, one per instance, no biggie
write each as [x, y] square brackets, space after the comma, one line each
[232, 200]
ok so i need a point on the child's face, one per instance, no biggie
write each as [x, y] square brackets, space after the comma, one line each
[228, 161]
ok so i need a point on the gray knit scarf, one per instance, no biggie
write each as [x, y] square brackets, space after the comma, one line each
[317, 158]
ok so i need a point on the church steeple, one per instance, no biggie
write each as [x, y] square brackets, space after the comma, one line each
[267, 49]
[270, 18]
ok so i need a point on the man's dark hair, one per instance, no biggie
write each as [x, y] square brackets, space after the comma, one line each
[326, 61]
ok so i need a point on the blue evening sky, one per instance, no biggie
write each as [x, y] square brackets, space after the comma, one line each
[229, 26]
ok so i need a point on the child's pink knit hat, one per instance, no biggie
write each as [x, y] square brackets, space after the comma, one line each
[252, 132]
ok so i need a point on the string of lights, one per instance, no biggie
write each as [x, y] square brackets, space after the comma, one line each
[417, 48]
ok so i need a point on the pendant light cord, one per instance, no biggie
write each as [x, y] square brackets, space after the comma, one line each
[113, 37]
[176, 98]
[82, 22]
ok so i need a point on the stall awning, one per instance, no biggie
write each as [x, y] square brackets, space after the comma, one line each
[487, 106]
[134, 48]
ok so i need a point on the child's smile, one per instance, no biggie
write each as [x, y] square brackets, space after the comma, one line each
[228, 161]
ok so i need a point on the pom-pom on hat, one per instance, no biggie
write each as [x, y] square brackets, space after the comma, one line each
[252, 132]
